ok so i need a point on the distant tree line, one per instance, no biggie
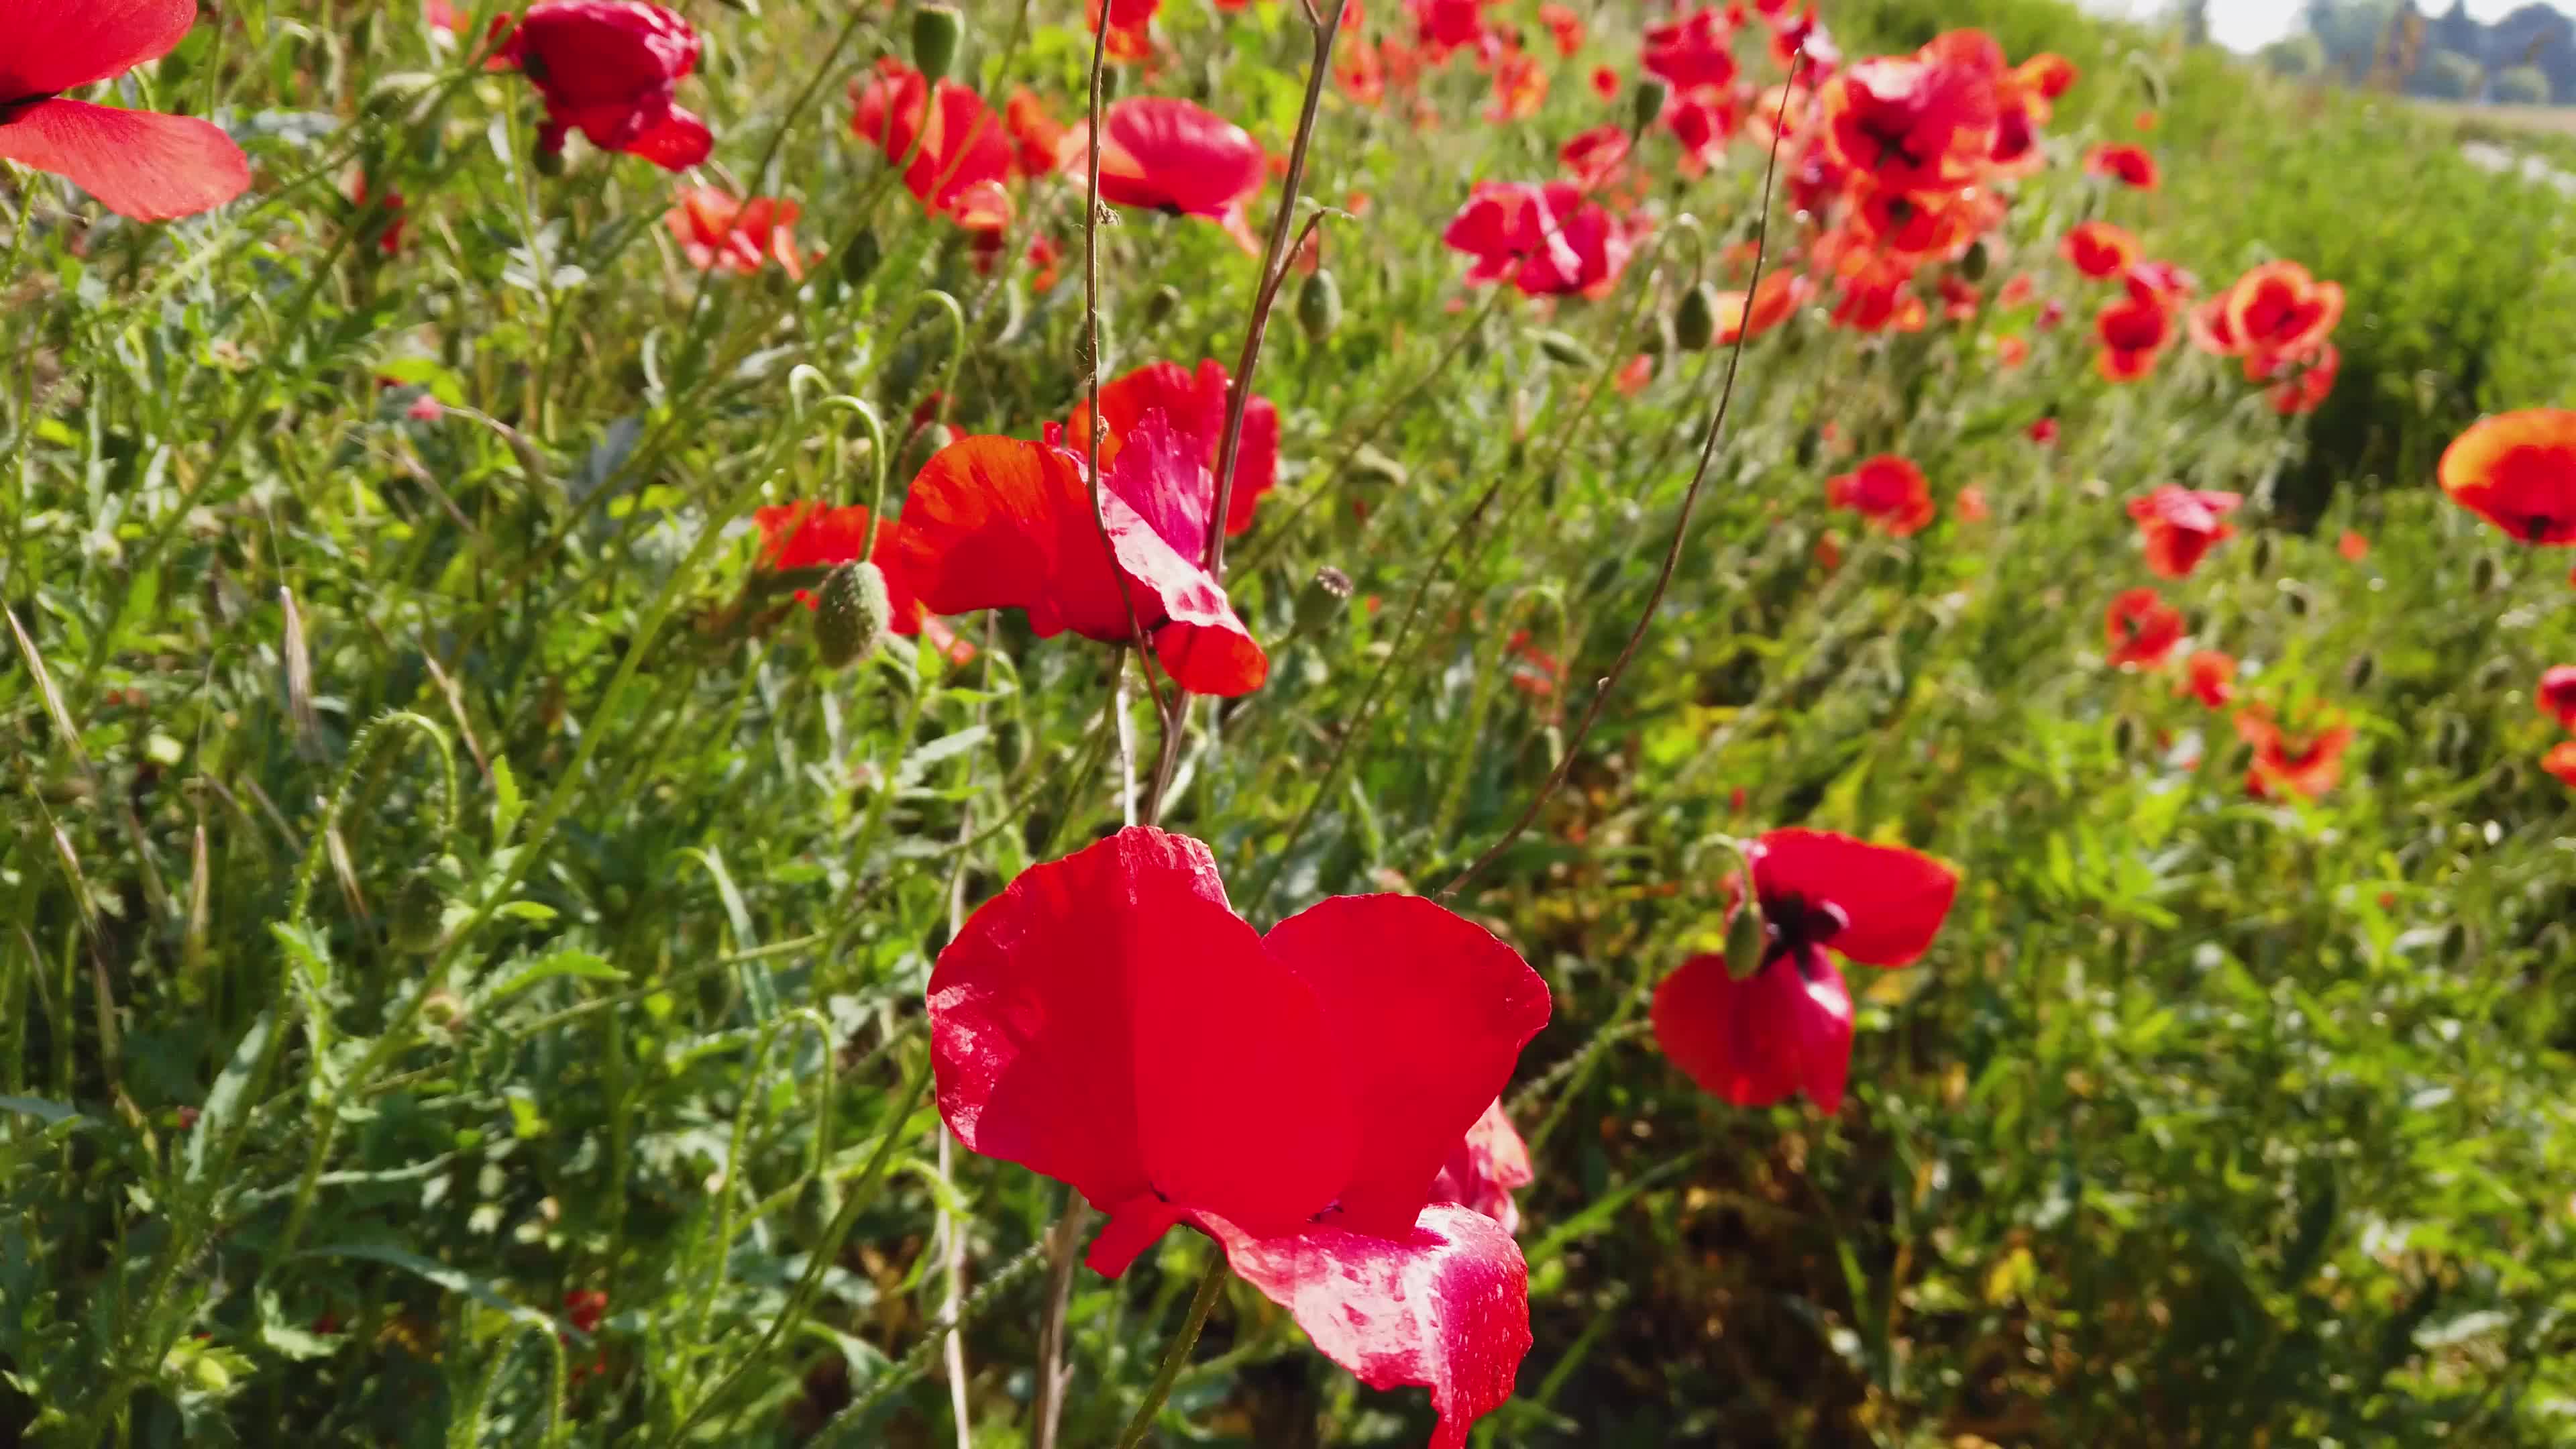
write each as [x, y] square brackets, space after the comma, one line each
[2526, 58]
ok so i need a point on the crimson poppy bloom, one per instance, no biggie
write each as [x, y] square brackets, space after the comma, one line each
[1520, 87]
[1605, 82]
[1886, 489]
[1773, 300]
[1109, 1022]
[1701, 124]
[2133, 334]
[1037, 136]
[1193, 405]
[2305, 387]
[2210, 677]
[2142, 628]
[385, 217]
[799, 536]
[2557, 694]
[1787, 1027]
[717, 231]
[608, 69]
[139, 164]
[1165, 154]
[2307, 762]
[1692, 52]
[2278, 313]
[1546, 237]
[2126, 164]
[1911, 124]
[2043, 431]
[1443, 26]
[959, 148]
[2561, 761]
[2518, 471]
[1563, 26]
[1130, 37]
[1485, 1168]
[997, 523]
[1596, 157]
[2159, 282]
[2352, 546]
[2099, 250]
[2048, 73]
[2181, 525]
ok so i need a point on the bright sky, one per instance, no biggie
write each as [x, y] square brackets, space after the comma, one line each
[2248, 24]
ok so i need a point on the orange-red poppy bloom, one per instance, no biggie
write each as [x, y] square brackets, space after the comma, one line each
[139, 164]
[2099, 250]
[2305, 387]
[2210, 677]
[1972, 505]
[2132, 334]
[1130, 34]
[1193, 404]
[2012, 352]
[1165, 154]
[1911, 124]
[2557, 694]
[2142, 628]
[1036, 137]
[2017, 291]
[1520, 87]
[1605, 82]
[2278, 313]
[1773, 301]
[2518, 472]
[2352, 546]
[1546, 238]
[960, 150]
[2306, 761]
[1701, 123]
[1596, 157]
[2181, 525]
[1888, 490]
[1693, 52]
[2048, 73]
[719, 233]
[2128, 165]
[2561, 761]
[1563, 26]
[606, 68]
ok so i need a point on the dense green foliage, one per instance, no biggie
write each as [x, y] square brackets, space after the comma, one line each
[439, 878]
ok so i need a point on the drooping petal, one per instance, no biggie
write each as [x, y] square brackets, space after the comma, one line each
[1754, 1042]
[61, 45]
[999, 523]
[1435, 1011]
[1445, 1306]
[674, 139]
[1197, 636]
[1895, 898]
[139, 164]
[1032, 1031]
[1160, 474]
[1484, 1169]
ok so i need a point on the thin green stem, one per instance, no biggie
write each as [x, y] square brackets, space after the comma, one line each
[1177, 1356]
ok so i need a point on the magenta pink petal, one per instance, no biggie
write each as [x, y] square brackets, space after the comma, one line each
[1894, 898]
[139, 164]
[1756, 1041]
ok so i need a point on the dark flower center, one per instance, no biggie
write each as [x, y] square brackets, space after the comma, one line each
[1793, 924]
[11, 108]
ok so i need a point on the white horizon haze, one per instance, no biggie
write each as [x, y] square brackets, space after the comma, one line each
[2245, 25]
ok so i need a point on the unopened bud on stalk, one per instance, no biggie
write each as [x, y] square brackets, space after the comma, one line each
[1563, 349]
[1319, 305]
[926, 445]
[936, 30]
[1160, 306]
[2297, 599]
[2483, 577]
[1973, 266]
[2124, 736]
[2365, 668]
[1747, 940]
[419, 909]
[2455, 943]
[1695, 320]
[1647, 104]
[860, 255]
[550, 163]
[1326, 597]
[2259, 557]
[850, 614]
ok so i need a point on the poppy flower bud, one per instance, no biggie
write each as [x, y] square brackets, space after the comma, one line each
[936, 29]
[210, 1374]
[1377, 467]
[2483, 577]
[851, 613]
[860, 255]
[444, 1010]
[2451, 742]
[1695, 320]
[549, 163]
[1326, 596]
[392, 93]
[1319, 305]
[2365, 668]
[2296, 598]
[2455, 943]
[2496, 674]
[1646, 106]
[1160, 306]
[419, 909]
[1973, 266]
[1559, 348]
[926, 445]
[2241, 761]
[2259, 557]
[2124, 736]
[1747, 940]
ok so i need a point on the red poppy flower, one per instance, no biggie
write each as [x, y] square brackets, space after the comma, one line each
[2142, 628]
[2561, 761]
[2017, 291]
[2100, 250]
[1443, 26]
[1109, 1022]
[2210, 677]
[2557, 694]
[1787, 1027]
[1360, 72]
[2128, 165]
[1537, 672]
[1563, 26]
[1596, 157]
[1485, 1168]
[1774, 300]
[1037, 136]
[2518, 472]
[1547, 238]
[1959, 298]
[958, 147]
[2132, 334]
[1803, 34]
[1972, 505]
[586, 1308]
[717, 231]
[1888, 490]
[2352, 546]
[1520, 88]
[2048, 73]
[2050, 315]
[2307, 762]
[2161, 283]
[387, 214]
[2181, 525]
[2306, 386]
[1165, 154]
[1702, 124]
[1913, 125]
[796, 536]
[442, 15]
[1605, 83]
[608, 69]
[1129, 38]
[1193, 406]
[1926, 227]
[997, 523]
[2019, 116]
[2278, 312]
[139, 164]
[1692, 52]
[2044, 432]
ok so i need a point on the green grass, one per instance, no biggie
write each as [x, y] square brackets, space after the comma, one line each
[528, 913]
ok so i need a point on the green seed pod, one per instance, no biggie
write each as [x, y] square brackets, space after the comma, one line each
[2495, 674]
[860, 255]
[2485, 576]
[2364, 668]
[2297, 600]
[2455, 943]
[1319, 305]
[209, 1374]
[1695, 320]
[850, 613]
[1974, 265]
[1162, 304]
[2124, 736]
[925, 446]
[1747, 939]
[1647, 104]
[1559, 348]
[418, 912]
[2258, 557]
[1326, 597]
[550, 163]
[936, 30]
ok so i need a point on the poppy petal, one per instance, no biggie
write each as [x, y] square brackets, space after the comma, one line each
[1435, 1012]
[1000, 523]
[675, 140]
[1445, 1306]
[1754, 1042]
[1895, 898]
[1485, 1167]
[1243, 1097]
[61, 45]
[1031, 1034]
[139, 164]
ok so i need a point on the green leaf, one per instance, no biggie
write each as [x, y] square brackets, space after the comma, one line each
[224, 1099]
[581, 964]
[43, 1111]
[454, 1281]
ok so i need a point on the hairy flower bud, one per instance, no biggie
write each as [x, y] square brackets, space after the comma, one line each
[850, 613]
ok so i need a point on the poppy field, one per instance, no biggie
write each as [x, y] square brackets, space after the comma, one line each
[1466, 722]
